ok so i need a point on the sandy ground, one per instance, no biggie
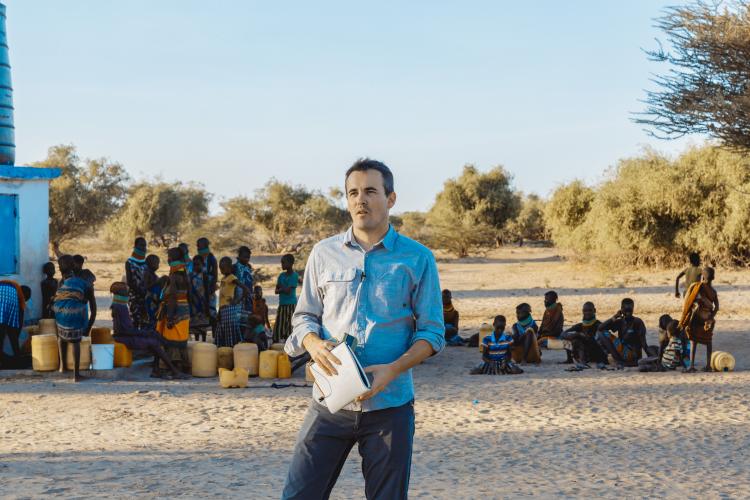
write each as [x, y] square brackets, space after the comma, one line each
[545, 433]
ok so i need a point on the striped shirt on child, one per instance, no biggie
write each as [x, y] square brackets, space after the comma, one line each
[497, 349]
[670, 359]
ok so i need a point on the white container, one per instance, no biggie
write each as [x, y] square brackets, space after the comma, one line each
[103, 356]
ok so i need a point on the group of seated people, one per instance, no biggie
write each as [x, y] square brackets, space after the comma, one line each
[619, 340]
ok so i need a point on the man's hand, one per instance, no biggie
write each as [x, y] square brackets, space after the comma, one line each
[320, 352]
[382, 376]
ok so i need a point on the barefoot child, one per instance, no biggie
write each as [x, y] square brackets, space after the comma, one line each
[49, 289]
[74, 318]
[496, 352]
[244, 272]
[260, 308]
[138, 340]
[524, 331]
[629, 339]
[672, 355]
[699, 316]
[286, 289]
[231, 294]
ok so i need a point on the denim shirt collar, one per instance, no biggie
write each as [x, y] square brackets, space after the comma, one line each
[388, 241]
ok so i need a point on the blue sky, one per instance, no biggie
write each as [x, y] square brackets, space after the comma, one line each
[230, 93]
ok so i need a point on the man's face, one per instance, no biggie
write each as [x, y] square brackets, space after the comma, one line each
[589, 312]
[366, 200]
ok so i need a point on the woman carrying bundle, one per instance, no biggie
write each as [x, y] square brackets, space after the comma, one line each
[698, 316]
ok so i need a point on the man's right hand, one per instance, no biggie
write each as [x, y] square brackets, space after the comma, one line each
[320, 352]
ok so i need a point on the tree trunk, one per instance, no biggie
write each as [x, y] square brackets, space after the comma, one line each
[55, 248]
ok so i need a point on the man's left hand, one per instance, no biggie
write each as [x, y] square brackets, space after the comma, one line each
[382, 376]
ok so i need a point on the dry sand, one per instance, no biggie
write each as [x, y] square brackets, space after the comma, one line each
[545, 433]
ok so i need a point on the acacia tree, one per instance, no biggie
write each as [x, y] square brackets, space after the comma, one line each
[287, 218]
[85, 195]
[707, 88]
[472, 210]
[160, 212]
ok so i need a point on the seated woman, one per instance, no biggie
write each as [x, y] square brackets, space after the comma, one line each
[496, 355]
[450, 318]
[699, 316]
[134, 338]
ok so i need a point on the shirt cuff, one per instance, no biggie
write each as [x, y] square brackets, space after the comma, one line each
[436, 340]
[293, 346]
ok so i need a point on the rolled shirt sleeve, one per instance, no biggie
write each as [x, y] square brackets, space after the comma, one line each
[308, 314]
[428, 307]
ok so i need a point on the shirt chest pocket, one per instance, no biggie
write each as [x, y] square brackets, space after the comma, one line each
[389, 293]
[338, 286]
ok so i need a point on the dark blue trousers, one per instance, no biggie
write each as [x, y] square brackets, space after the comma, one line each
[384, 439]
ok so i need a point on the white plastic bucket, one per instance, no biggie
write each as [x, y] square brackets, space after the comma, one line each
[103, 356]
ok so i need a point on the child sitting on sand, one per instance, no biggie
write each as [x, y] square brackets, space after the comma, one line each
[496, 355]
[525, 346]
[672, 356]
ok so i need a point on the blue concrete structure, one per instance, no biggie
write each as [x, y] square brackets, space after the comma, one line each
[24, 199]
[7, 128]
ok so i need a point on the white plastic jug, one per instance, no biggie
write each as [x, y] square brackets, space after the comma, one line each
[103, 356]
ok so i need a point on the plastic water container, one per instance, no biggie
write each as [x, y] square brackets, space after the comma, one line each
[225, 358]
[85, 361]
[246, 356]
[191, 343]
[47, 326]
[722, 361]
[284, 366]
[278, 346]
[123, 355]
[103, 356]
[269, 364]
[204, 360]
[233, 378]
[45, 355]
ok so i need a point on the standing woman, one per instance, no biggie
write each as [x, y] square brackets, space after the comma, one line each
[699, 316]
[135, 270]
[286, 289]
[174, 314]
[71, 313]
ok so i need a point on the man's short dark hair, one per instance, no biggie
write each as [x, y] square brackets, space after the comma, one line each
[365, 164]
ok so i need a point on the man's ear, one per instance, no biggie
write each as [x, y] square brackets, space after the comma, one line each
[391, 200]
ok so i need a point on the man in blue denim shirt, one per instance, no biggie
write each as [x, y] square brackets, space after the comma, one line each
[383, 289]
